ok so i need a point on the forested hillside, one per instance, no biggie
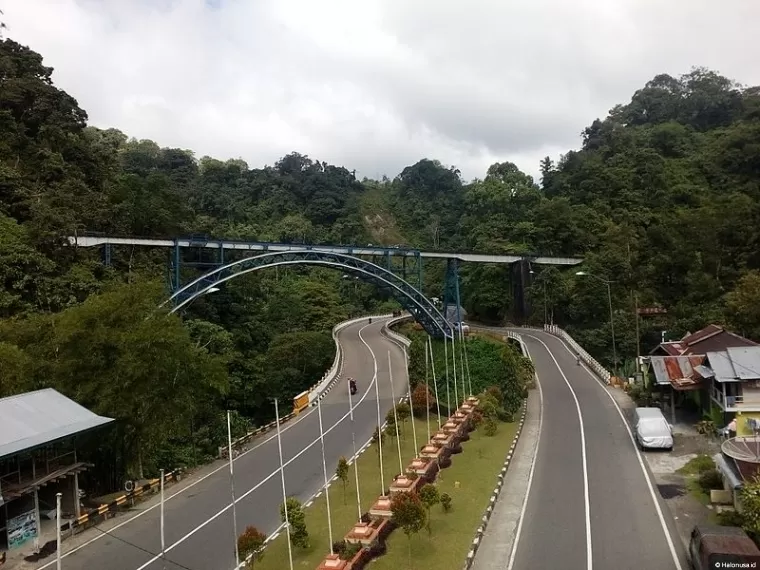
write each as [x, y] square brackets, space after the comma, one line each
[662, 198]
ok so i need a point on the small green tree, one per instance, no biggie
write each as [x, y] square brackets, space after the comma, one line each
[378, 440]
[251, 542]
[446, 502]
[403, 413]
[409, 513]
[299, 536]
[341, 472]
[490, 427]
[430, 497]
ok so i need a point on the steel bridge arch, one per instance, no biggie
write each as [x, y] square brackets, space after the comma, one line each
[420, 307]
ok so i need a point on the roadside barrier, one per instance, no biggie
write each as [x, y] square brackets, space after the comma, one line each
[589, 360]
[320, 390]
[393, 335]
[127, 500]
[310, 396]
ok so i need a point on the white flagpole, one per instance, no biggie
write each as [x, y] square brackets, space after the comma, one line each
[282, 479]
[461, 361]
[379, 437]
[353, 441]
[395, 416]
[163, 535]
[427, 389]
[467, 365]
[324, 470]
[411, 404]
[435, 381]
[232, 488]
[454, 366]
[58, 529]
[446, 360]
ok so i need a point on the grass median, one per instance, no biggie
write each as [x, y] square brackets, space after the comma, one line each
[469, 480]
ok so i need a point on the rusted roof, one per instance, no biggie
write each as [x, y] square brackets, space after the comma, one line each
[678, 371]
[712, 338]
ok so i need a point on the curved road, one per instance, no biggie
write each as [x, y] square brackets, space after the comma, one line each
[198, 517]
[591, 501]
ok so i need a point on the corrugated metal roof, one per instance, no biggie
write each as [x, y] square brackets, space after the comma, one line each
[675, 369]
[37, 418]
[722, 367]
[746, 361]
[709, 339]
[704, 371]
[702, 334]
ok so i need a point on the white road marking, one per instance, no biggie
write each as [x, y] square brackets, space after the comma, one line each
[648, 479]
[276, 471]
[587, 504]
[287, 425]
[513, 554]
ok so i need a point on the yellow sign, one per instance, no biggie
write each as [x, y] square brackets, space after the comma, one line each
[300, 401]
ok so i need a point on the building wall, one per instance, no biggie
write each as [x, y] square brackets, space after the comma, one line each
[742, 429]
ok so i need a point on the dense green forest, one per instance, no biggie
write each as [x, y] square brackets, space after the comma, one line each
[662, 198]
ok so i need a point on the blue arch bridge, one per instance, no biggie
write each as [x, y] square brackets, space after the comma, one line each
[398, 271]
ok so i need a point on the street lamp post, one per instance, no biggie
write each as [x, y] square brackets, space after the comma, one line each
[608, 283]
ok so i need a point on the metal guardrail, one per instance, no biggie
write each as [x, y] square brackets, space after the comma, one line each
[589, 360]
[334, 373]
[400, 339]
[101, 513]
[301, 402]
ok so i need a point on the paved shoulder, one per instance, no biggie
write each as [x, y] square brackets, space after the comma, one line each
[498, 540]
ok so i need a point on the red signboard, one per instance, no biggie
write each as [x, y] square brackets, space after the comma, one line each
[652, 311]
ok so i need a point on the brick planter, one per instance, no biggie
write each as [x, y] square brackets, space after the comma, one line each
[381, 508]
[333, 562]
[361, 533]
[424, 466]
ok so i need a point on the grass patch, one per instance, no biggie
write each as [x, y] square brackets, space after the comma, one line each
[697, 491]
[701, 477]
[475, 469]
[697, 465]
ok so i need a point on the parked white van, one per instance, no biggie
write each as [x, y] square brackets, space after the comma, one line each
[652, 429]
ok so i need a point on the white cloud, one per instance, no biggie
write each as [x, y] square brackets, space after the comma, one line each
[374, 85]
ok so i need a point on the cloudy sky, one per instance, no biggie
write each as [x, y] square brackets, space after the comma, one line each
[375, 85]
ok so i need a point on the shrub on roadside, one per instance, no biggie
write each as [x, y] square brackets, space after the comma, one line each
[730, 518]
[710, 480]
[251, 542]
[490, 427]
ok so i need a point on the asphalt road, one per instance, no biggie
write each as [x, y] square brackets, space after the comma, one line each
[592, 502]
[198, 529]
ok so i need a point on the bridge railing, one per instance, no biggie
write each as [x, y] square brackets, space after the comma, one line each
[309, 396]
[335, 372]
[589, 360]
[393, 335]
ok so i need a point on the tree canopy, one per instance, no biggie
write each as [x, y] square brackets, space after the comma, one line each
[662, 197]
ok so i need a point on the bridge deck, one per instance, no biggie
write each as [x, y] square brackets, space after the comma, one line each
[94, 241]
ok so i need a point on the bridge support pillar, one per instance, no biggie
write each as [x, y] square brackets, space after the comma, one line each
[521, 280]
[451, 296]
[107, 255]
